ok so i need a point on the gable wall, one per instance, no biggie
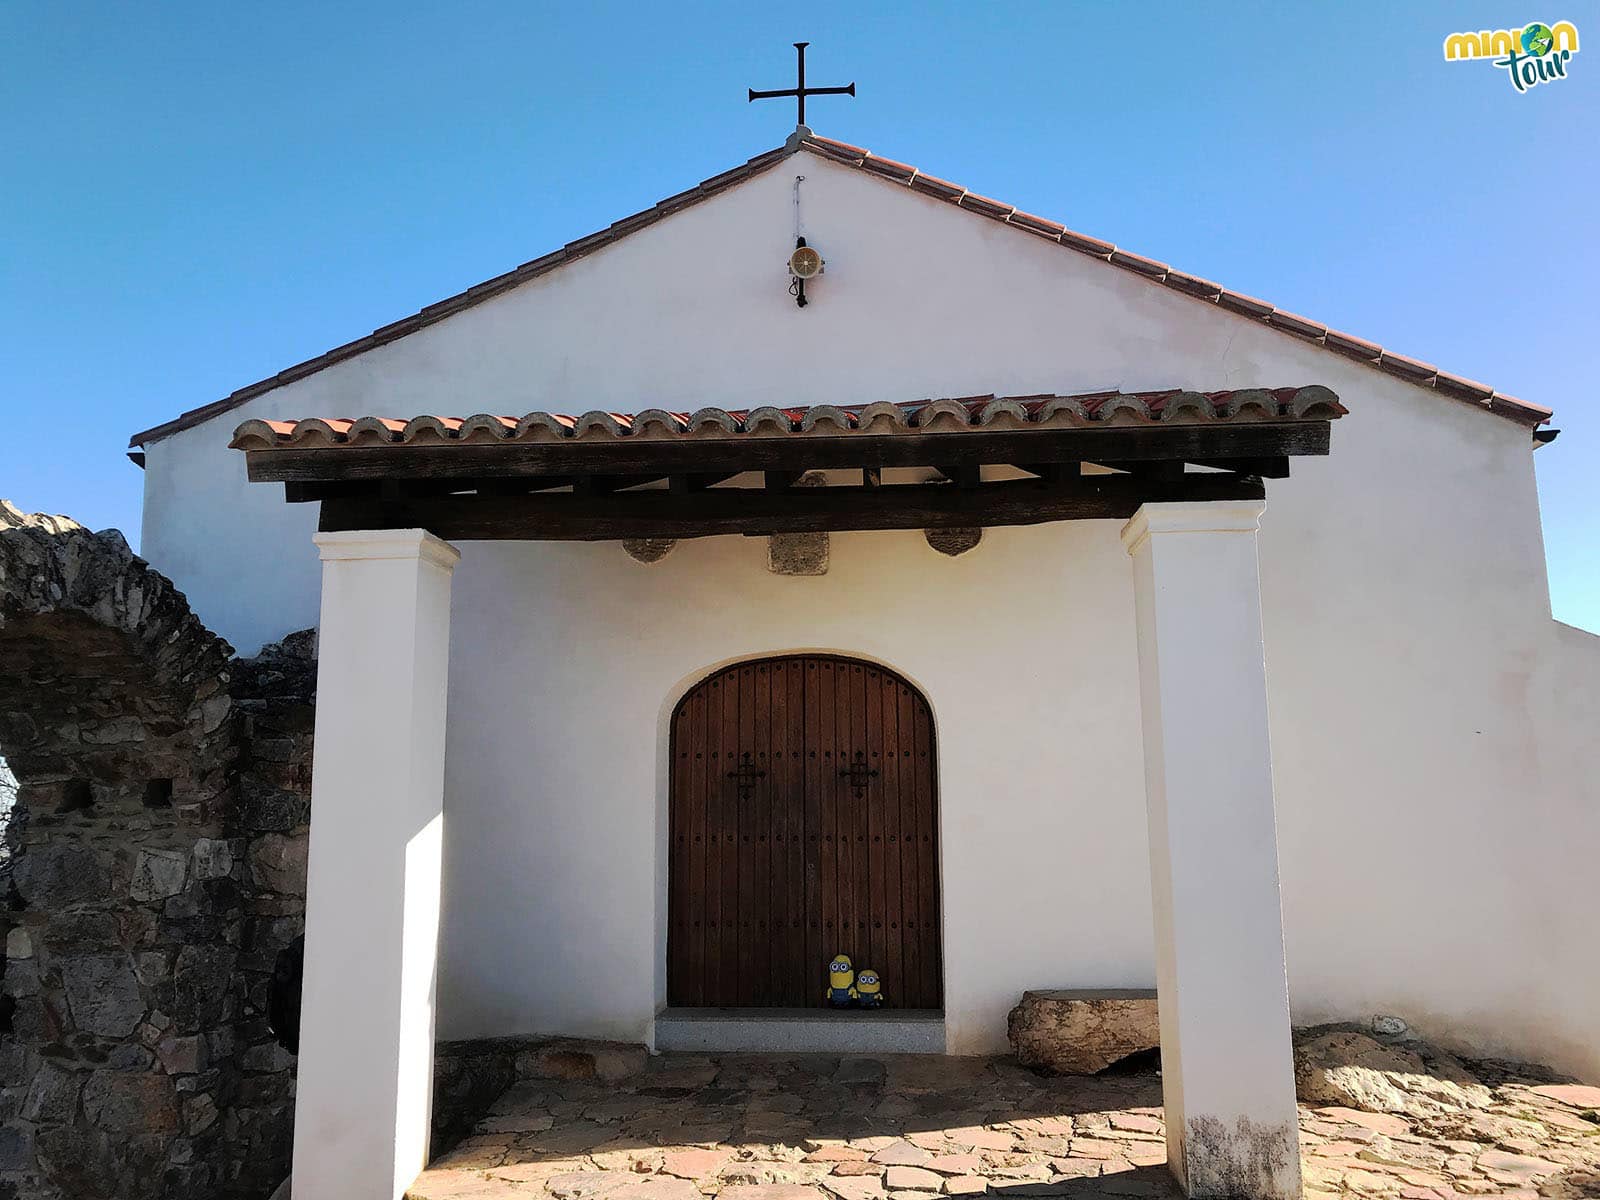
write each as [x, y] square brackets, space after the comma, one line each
[1433, 777]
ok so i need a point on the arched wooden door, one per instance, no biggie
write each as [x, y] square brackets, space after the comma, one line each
[803, 824]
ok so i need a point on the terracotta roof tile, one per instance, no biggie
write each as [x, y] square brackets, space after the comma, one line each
[986, 206]
[934, 186]
[1088, 245]
[1294, 324]
[1240, 303]
[1466, 389]
[1408, 368]
[1397, 365]
[890, 168]
[952, 414]
[1193, 285]
[1137, 262]
[1035, 224]
[1354, 347]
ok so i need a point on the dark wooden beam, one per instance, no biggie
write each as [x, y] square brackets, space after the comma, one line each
[547, 517]
[1055, 472]
[675, 456]
[967, 475]
[1274, 466]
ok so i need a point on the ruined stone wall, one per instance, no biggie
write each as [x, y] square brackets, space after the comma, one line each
[274, 696]
[157, 873]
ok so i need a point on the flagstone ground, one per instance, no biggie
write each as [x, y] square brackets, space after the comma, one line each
[916, 1127]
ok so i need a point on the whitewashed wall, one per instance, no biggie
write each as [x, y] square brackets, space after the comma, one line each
[1432, 727]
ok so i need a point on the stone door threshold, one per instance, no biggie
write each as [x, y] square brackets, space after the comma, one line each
[800, 1030]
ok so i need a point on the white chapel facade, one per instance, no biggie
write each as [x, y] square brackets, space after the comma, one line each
[1249, 689]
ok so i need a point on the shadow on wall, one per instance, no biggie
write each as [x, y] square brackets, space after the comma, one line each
[157, 852]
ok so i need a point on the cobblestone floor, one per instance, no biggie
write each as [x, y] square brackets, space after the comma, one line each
[916, 1127]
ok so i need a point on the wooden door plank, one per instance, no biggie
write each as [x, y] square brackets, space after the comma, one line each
[695, 810]
[892, 968]
[928, 920]
[776, 879]
[744, 810]
[816, 862]
[861, 862]
[677, 857]
[872, 681]
[759, 848]
[826, 735]
[910, 986]
[799, 970]
[729, 939]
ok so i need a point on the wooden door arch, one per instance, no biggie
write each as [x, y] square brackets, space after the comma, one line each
[802, 823]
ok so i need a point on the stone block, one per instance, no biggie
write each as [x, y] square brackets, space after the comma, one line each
[118, 1102]
[52, 1098]
[182, 1055]
[102, 993]
[199, 1114]
[797, 553]
[56, 876]
[19, 944]
[1345, 1068]
[1083, 1032]
[278, 863]
[16, 1148]
[212, 858]
[200, 982]
[22, 978]
[609, 1061]
[158, 874]
[264, 809]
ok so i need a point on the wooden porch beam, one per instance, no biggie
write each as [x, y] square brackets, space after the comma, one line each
[546, 517]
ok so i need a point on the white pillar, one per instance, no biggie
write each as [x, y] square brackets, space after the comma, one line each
[364, 1090]
[1226, 1058]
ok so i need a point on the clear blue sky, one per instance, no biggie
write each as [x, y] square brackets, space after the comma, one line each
[198, 195]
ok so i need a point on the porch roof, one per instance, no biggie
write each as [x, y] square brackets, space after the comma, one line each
[604, 475]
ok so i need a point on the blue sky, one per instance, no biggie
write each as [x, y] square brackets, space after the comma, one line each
[198, 195]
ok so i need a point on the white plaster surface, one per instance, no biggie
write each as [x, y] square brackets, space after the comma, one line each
[1226, 1059]
[364, 1088]
[1433, 730]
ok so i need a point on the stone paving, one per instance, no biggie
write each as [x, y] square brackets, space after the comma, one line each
[919, 1127]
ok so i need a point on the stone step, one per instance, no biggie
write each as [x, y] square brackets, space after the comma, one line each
[800, 1030]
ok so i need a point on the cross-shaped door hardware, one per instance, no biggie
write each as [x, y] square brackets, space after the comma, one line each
[746, 774]
[858, 773]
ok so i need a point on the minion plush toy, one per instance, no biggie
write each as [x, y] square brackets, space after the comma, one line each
[869, 989]
[841, 992]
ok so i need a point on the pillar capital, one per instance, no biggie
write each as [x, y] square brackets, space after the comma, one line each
[386, 543]
[1192, 516]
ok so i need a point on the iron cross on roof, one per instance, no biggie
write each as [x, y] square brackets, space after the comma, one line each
[800, 91]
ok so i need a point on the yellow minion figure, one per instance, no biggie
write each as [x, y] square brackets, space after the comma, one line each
[869, 989]
[841, 991]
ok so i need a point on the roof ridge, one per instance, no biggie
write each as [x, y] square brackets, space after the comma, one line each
[803, 139]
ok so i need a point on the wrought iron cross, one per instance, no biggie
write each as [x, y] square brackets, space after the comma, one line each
[859, 773]
[800, 91]
[747, 773]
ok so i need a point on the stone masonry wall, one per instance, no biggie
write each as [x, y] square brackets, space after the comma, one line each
[158, 850]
